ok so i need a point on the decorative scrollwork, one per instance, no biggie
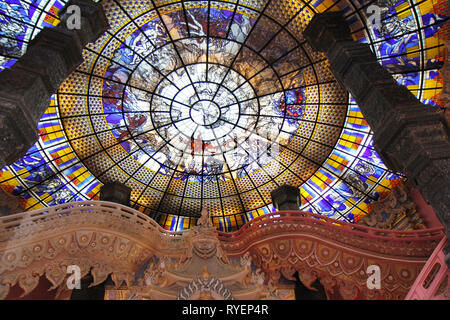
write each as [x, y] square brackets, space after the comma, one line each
[205, 288]
[107, 239]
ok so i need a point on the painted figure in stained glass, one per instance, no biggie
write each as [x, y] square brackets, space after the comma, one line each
[214, 106]
[12, 29]
[41, 180]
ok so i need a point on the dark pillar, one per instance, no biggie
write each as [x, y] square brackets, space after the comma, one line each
[115, 192]
[286, 198]
[26, 88]
[410, 137]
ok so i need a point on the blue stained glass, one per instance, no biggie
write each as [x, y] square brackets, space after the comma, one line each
[173, 64]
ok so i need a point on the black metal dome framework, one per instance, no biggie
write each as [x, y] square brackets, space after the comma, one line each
[214, 104]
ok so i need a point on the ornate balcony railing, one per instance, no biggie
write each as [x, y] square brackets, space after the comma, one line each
[433, 282]
[27, 223]
[108, 238]
[410, 243]
[21, 220]
[98, 214]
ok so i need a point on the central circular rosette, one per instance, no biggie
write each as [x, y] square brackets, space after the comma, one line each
[205, 112]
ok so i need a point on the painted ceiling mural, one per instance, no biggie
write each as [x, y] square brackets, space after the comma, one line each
[213, 104]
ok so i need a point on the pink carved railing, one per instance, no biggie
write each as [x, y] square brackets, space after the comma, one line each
[433, 281]
[406, 243]
[359, 230]
[399, 250]
[19, 221]
[276, 223]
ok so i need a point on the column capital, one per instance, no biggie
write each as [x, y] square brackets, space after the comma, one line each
[115, 192]
[286, 198]
[325, 29]
[53, 54]
[93, 20]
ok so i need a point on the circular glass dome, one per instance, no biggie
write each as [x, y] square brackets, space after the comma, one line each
[214, 104]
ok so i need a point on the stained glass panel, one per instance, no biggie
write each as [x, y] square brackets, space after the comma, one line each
[213, 104]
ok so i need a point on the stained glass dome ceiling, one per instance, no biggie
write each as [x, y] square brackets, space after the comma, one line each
[214, 104]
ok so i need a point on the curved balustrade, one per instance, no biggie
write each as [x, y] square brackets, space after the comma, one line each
[276, 223]
[8, 223]
[94, 215]
[418, 243]
[359, 230]
[116, 239]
